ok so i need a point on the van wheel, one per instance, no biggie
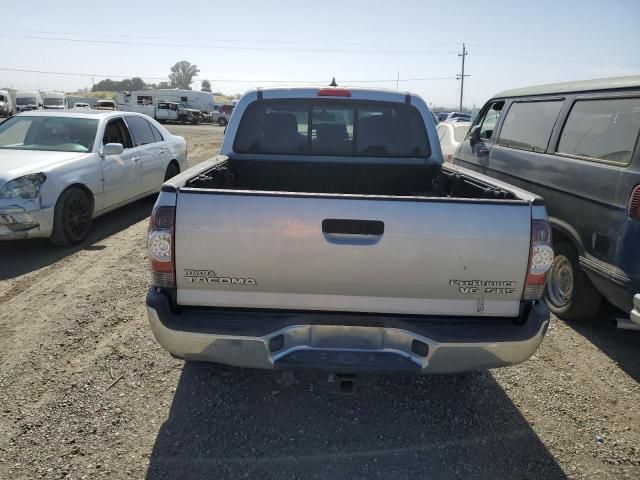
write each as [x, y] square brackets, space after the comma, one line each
[172, 170]
[222, 122]
[569, 293]
[72, 218]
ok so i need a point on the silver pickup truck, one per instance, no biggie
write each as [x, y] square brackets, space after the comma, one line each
[329, 235]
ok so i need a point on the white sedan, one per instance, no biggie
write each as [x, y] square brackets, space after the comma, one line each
[451, 134]
[59, 170]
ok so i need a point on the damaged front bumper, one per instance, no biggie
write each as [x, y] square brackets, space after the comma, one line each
[26, 219]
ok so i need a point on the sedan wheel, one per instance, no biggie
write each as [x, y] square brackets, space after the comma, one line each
[172, 171]
[72, 219]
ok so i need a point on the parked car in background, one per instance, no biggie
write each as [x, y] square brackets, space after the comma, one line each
[166, 112]
[176, 112]
[105, 105]
[442, 116]
[228, 109]
[466, 117]
[459, 120]
[81, 105]
[6, 104]
[54, 101]
[451, 134]
[221, 118]
[329, 235]
[26, 101]
[59, 170]
[576, 145]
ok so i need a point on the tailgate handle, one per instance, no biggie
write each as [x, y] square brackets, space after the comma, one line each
[352, 227]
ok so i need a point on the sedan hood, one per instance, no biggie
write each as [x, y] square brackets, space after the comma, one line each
[15, 163]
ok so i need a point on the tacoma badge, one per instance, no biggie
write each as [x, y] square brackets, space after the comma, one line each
[209, 276]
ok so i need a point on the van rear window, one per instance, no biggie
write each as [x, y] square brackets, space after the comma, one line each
[605, 129]
[327, 127]
[528, 125]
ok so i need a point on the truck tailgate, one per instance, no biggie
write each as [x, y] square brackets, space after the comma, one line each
[350, 253]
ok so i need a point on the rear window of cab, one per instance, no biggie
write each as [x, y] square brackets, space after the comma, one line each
[329, 127]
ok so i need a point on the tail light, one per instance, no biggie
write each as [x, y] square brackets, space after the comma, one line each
[634, 204]
[160, 244]
[334, 92]
[540, 259]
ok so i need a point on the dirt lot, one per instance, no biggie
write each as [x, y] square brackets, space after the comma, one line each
[85, 392]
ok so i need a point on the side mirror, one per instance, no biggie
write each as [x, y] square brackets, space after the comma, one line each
[474, 134]
[112, 149]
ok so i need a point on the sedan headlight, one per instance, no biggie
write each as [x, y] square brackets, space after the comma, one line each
[24, 187]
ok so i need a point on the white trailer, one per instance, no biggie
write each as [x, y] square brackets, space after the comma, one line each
[202, 101]
[28, 101]
[54, 101]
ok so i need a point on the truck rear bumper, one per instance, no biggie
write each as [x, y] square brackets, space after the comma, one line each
[344, 343]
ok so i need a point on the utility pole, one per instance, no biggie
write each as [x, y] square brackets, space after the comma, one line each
[462, 75]
[398, 81]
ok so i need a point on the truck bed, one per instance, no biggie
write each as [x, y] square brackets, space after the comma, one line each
[356, 178]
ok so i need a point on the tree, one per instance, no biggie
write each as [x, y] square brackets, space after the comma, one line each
[206, 86]
[127, 84]
[137, 83]
[182, 74]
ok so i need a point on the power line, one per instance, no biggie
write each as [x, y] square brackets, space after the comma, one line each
[214, 40]
[222, 40]
[225, 47]
[226, 80]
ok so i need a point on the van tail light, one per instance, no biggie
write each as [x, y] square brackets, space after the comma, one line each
[160, 245]
[540, 260]
[634, 204]
[334, 92]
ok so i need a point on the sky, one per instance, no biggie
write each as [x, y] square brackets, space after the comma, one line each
[242, 44]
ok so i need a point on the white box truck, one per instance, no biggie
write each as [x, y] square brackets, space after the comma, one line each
[26, 101]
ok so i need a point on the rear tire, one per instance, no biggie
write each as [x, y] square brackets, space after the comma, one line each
[172, 170]
[72, 218]
[222, 122]
[569, 293]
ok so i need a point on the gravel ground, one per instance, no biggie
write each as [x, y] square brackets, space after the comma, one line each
[85, 392]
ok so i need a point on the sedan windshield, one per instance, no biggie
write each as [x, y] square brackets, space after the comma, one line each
[48, 133]
[26, 100]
